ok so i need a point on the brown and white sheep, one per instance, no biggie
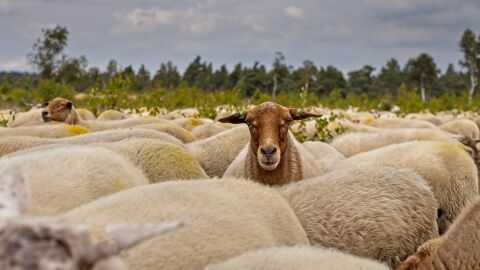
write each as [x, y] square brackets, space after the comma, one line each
[273, 156]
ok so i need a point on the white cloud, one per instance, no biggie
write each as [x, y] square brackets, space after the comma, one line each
[294, 12]
[19, 64]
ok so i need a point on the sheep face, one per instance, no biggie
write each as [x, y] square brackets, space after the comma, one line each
[268, 124]
[57, 109]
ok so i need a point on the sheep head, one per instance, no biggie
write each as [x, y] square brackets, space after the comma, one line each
[58, 109]
[268, 124]
[54, 243]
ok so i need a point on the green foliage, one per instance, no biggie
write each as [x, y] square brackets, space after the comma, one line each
[325, 129]
[48, 89]
[115, 95]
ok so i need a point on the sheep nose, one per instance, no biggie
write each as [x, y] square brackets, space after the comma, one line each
[44, 113]
[268, 150]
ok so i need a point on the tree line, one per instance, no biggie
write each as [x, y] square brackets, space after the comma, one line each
[48, 59]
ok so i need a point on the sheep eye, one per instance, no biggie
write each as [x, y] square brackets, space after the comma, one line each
[248, 122]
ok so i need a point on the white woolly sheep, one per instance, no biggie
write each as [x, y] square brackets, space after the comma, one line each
[273, 156]
[353, 143]
[50, 243]
[170, 128]
[62, 110]
[400, 123]
[449, 170]
[188, 123]
[10, 145]
[335, 128]
[63, 178]
[457, 249]
[29, 118]
[160, 161]
[216, 153]
[111, 115]
[464, 127]
[377, 212]
[207, 130]
[325, 154]
[184, 113]
[224, 217]
[85, 114]
[295, 258]
[44, 131]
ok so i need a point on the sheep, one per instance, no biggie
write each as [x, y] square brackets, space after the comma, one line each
[188, 123]
[182, 113]
[376, 212]
[225, 218]
[29, 118]
[207, 130]
[400, 123]
[424, 117]
[464, 127]
[309, 131]
[217, 152]
[62, 110]
[53, 243]
[44, 131]
[273, 156]
[159, 160]
[170, 128]
[65, 177]
[325, 154]
[299, 257]
[449, 170]
[111, 115]
[457, 249]
[9, 145]
[85, 114]
[353, 143]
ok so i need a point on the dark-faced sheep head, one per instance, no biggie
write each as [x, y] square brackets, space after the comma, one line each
[57, 109]
[268, 124]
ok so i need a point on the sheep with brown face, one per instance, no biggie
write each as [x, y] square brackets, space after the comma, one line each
[57, 244]
[457, 249]
[60, 110]
[273, 156]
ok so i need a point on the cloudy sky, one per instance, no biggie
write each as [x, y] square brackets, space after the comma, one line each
[343, 33]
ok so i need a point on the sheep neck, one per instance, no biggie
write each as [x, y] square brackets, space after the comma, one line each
[288, 170]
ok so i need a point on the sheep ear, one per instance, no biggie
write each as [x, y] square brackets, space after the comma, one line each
[125, 236]
[236, 118]
[69, 105]
[13, 193]
[299, 114]
[128, 235]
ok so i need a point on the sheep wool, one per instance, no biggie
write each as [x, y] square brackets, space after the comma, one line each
[457, 249]
[207, 130]
[111, 115]
[449, 170]
[30, 118]
[354, 143]
[8, 146]
[400, 123]
[45, 131]
[178, 132]
[464, 127]
[375, 212]
[299, 257]
[325, 154]
[223, 218]
[216, 153]
[85, 114]
[63, 178]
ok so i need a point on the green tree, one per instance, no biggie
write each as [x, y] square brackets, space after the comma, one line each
[329, 79]
[361, 80]
[220, 78]
[305, 75]
[390, 78]
[71, 71]
[471, 58]
[193, 71]
[452, 81]
[281, 76]
[47, 51]
[167, 76]
[143, 78]
[423, 71]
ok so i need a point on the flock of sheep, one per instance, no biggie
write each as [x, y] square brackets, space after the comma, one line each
[176, 192]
